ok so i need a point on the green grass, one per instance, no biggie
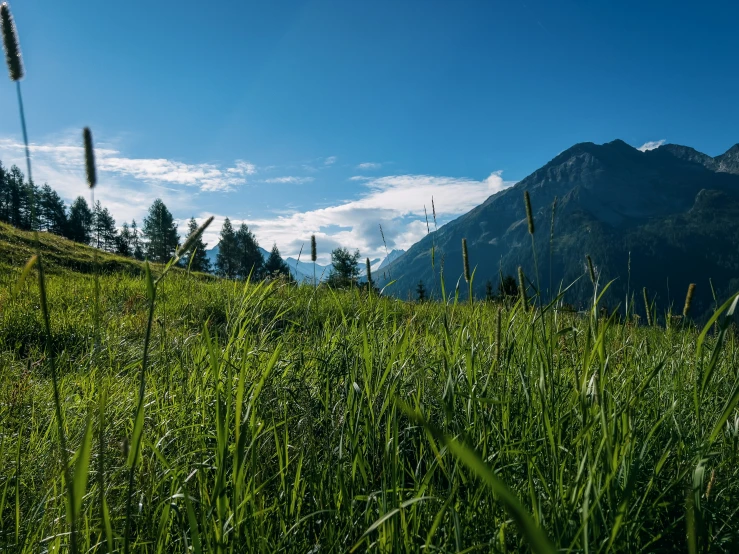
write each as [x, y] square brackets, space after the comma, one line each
[279, 418]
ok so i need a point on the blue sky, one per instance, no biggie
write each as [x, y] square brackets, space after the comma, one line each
[331, 117]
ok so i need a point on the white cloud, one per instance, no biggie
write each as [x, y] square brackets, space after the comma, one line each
[369, 165]
[331, 160]
[651, 145]
[290, 180]
[360, 178]
[157, 171]
[396, 202]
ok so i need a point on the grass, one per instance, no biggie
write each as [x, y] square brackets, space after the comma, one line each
[291, 419]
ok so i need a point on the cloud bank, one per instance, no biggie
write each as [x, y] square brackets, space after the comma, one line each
[651, 145]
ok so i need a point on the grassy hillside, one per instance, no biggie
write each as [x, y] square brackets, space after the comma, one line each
[283, 419]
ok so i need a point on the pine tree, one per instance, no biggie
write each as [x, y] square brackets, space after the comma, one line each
[52, 214]
[489, 295]
[103, 229]
[275, 265]
[4, 195]
[160, 231]
[79, 222]
[345, 271]
[137, 249]
[421, 291]
[197, 259]
[16, 192]
[123, 245]
[250, 262]
[227, 259]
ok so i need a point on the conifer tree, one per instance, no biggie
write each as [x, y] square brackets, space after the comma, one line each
[123, 245]
[196, 259]
[160, 231]
[227, 258]
[79, 222]
[345, 271]
[250, 262]
[137, 248]
[104, 231]
[275, 265]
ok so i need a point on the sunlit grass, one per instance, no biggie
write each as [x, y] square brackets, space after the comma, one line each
[285, 418]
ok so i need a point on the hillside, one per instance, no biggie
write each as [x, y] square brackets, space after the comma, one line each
[17, 246]
[673, 211]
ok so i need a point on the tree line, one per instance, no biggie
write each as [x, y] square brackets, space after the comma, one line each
[30, 207]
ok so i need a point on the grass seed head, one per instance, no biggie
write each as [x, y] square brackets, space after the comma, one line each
[89, 158]
[522, 288]
[529, 212]
[369, 272]
[688, 299]
[647, 307]
[313, 249]
[192, 239]
[591, 269]
[465, 261]
[10, 44]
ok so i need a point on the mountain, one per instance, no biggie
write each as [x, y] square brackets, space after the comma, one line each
[659, 219]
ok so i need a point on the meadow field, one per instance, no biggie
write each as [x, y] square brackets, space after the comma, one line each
[272, 417]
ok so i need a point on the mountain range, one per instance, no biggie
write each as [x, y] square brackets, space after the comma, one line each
[660, 219]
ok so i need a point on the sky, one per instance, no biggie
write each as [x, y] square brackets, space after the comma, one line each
[332, 118]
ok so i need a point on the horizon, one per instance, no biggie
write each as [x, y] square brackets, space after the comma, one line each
[301, 121]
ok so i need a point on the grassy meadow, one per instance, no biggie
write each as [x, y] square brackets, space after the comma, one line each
[281, 418]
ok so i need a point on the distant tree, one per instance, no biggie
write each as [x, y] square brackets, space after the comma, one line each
[227, 258]
[123, 244]
[52, 212]
[16, 193]
[508, 288]
[104, 233]
[275, 265]
[421, 292]
[79, 222]
[345, 271]
[196, 259]
[250, 261]
[160, 231]
[137, 248]
[489, 294]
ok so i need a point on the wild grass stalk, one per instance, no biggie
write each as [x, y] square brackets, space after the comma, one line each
[466, 266]
[688, 301]
[313, 256]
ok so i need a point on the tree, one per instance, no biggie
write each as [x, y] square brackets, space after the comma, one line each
[421, 292]
[508, 288]
[160, 231]
[137, 249]
[489, 295]
[197, 259]
[104, 233]
[227, 258]
[250, 261]
[52, 212]
[345, 270]
[16, 192]
[79, 222]
[123, 245]
[275, 265]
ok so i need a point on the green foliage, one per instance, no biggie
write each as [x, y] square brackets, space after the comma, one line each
[268, 417]
[196, 259]
[275, 266]
[160, 232]
[249, 261]
[345, 269]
